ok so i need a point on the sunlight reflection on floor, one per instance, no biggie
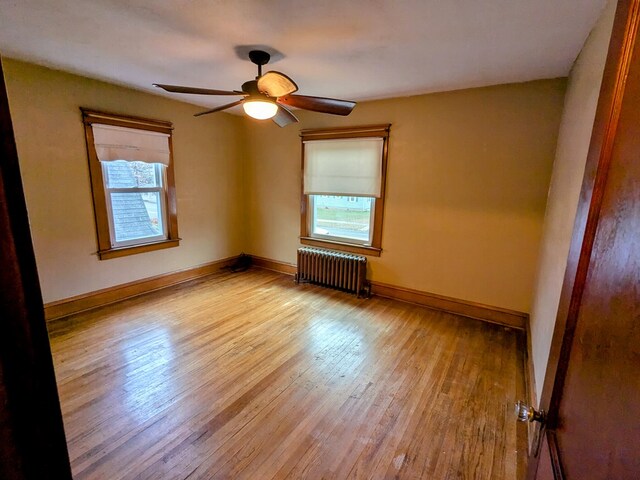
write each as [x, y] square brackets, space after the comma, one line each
[149, 384]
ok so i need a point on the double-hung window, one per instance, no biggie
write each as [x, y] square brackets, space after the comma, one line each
[136, 202]
[343, 187]
[131, 170]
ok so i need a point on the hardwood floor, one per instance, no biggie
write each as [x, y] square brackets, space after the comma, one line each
[251, 376]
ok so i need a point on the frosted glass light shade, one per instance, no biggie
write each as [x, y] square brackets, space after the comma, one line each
[260, 109]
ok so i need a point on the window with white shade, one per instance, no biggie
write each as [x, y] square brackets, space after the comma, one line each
[131, 170]
[343, 187]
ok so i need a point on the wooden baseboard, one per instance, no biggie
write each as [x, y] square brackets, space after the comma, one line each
[502, 316]
[87, 301]
[105, 296]
[275, 265]
[488, 313]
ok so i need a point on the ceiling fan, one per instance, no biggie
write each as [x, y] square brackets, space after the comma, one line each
[268, 96]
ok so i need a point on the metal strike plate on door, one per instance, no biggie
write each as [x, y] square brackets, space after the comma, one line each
[527, 413]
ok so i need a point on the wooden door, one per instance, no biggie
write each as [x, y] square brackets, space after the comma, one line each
[591, 391]
[32, 441]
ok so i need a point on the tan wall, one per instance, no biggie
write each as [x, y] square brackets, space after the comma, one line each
[50, 139]
[466, 189]
[573, 144]
[468, 175]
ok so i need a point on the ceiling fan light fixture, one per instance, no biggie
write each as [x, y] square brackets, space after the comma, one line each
[259, 108]
[268, 96]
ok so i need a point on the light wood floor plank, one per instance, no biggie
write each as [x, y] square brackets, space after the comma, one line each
[251, 376]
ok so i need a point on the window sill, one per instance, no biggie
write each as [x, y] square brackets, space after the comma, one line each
[342, 246]
[132, 250]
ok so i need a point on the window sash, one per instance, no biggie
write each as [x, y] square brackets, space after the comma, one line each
[357, 241]
[160, 174]
[134, 189]
[134, 241]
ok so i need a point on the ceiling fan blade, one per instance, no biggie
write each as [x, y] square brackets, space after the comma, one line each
[221, 107]
[195, 90]
[284, 117]
[276, 84]
[319, 104]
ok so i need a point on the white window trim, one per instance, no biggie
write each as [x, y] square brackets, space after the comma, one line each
[336, 238]
[162, 190]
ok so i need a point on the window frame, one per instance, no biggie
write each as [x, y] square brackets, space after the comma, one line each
[306, 235]
[106, 250]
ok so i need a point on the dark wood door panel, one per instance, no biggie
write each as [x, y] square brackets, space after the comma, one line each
[545, 471]
[591, 389]
[32, 440]
[598, 434]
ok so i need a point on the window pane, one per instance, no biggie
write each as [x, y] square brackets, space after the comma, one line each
[123, 174]
[136, 215]
[343, 217]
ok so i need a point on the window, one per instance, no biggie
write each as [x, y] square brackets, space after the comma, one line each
[132, 181]
[343, 188]
[136, 204]
[335, 217]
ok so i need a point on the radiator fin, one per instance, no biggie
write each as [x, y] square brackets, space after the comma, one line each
[342, 271]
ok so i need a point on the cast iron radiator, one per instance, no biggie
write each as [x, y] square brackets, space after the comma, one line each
[342, 271]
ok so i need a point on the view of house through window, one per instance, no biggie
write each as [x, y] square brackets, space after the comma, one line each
[342, 217]
[136, 201]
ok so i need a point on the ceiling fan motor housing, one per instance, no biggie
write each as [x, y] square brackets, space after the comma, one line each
[251, 87]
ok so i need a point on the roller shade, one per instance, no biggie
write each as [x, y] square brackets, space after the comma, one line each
[121, 143]
[351, 167]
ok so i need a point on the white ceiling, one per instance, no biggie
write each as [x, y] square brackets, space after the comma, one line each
[350, 49]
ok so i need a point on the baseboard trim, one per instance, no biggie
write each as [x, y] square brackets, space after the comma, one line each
[106, 296]
[478, 311]
[487, 313]
[275, 265]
